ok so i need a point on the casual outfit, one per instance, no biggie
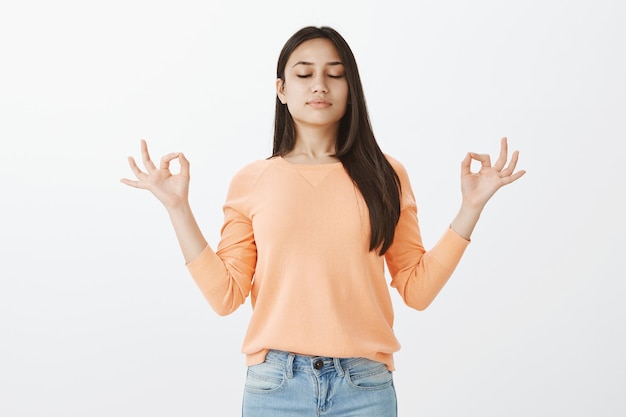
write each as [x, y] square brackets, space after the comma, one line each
[296, 239]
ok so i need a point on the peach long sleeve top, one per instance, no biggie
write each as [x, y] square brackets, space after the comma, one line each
[296, 239]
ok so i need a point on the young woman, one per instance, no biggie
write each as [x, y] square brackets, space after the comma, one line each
[306, 233]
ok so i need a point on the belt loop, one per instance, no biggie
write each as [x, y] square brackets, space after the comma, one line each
[289, 365]
[338, 368]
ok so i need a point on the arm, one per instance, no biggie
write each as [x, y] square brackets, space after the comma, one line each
[477, 188]
[172, 191]
[224, 279]
[419, 275]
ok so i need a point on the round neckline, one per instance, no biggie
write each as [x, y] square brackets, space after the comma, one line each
[328, 165]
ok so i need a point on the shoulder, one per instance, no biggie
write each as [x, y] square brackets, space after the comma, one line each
[246, 178]
[397, 166]
[251, 172]
[407, 198]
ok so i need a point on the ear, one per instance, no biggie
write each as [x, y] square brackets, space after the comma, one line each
[280, 91]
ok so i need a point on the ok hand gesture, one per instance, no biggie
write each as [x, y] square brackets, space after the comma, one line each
[170, 189]
[478, 187]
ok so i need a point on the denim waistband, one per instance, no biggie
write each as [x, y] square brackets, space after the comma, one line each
[313, 364]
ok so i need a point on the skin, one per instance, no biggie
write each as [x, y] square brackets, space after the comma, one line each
[477, 188]
[316, 94]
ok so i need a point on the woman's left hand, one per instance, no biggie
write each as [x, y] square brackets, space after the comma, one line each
[478, 187]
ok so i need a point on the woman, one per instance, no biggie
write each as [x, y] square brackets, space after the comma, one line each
[306, 234]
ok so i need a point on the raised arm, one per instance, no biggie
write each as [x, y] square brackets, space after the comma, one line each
[419, 275]
[172, 191]
[225, 280]
[478, 187]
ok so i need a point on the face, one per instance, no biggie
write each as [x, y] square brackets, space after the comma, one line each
[315, 89]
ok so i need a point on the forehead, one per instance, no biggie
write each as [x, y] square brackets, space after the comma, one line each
[316, 51]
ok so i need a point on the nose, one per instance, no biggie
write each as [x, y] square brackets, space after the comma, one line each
[319, 85]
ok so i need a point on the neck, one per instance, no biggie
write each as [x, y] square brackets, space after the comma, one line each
[314, 145]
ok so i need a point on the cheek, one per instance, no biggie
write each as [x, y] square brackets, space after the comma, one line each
[345, 94]
[294, 89]
[343, 89]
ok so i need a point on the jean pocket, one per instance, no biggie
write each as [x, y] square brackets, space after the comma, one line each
[369, 375]
[265, 377]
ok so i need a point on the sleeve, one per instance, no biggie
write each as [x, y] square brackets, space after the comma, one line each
[225, 276]
[418, 275]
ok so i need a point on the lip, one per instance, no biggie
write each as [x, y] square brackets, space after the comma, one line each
[319, 103]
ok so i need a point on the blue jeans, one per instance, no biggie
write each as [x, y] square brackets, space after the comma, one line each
[289, 385]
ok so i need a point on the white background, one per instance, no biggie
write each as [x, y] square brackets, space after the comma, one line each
[98, 315]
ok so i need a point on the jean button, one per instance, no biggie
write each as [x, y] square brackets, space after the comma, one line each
[318, 364]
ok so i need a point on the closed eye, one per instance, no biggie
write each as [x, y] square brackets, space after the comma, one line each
[310, 75]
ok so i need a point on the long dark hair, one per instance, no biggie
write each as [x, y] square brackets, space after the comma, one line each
[356, 146]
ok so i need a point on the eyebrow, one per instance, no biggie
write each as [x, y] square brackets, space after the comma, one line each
[310, 63]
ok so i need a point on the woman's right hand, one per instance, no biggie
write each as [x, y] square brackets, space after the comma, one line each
[170, 189]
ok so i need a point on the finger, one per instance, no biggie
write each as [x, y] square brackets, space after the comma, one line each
[483, 158]
[511, 167]
[133, 166]
[184, 165]
[166, 159]
[132, 183]
[466, 165]
[504, 150]
[514, 177]
[147, 162]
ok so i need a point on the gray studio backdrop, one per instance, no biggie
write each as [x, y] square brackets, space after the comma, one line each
[98, 316]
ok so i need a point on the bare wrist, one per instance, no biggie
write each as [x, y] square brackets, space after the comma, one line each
[472, 208]
[182, 209]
